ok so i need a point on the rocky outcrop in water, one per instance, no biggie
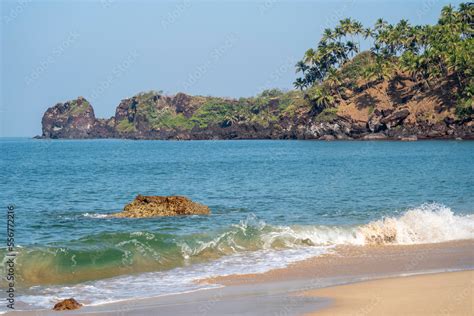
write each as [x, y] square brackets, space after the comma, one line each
[152, 206]
[67, 304]
[72, 119]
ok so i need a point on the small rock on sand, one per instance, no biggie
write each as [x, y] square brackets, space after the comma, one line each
[67, 304]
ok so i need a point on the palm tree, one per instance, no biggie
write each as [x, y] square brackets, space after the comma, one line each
[383, 71]
[339, 32]
[334, 81]
[368, 75]
[380, 24]
[301, 67]
[368, 32]
[409, 63]
[447, 14]
[346, 26]
[466, 14]
[358, 29]
[309, 56]
[300, 84]
[328, 35]
[351, 48]
[322, 98]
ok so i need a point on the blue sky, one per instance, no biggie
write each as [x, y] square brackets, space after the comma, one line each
[107, 50]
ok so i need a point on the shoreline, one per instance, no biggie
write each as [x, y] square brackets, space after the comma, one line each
[366, 261]
[361, 139]
[286, 290]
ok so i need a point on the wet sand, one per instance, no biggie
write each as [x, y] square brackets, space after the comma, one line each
[348, 262]
[295, 290]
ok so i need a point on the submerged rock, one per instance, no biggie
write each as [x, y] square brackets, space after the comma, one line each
[67, 304]
[150, 206]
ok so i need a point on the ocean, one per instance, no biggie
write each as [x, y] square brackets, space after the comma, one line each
[272, 203]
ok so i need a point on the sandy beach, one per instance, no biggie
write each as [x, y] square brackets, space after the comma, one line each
[247, 158]
[438, 294]
[425, 279]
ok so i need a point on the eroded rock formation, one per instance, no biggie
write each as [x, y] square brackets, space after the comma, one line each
[152, 206]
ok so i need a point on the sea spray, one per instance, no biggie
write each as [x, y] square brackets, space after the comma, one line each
[429, 223]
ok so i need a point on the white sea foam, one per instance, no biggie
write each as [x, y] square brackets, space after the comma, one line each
[158, 283]
[95, 215]
[428, 223]
[277, 246]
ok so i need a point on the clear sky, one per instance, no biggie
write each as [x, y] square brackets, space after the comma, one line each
[107, 50]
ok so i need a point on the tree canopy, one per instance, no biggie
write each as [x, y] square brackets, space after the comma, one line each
[427, 53]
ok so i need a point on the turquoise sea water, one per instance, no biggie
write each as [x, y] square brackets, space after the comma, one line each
[272, 202]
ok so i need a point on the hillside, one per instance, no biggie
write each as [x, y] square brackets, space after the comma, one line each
[394, 109]
[414, 82]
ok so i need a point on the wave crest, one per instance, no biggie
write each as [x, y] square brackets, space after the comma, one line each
[429, 223]
[109, 254]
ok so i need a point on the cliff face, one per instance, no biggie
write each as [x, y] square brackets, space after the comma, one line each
[398, 109]
[72, 119]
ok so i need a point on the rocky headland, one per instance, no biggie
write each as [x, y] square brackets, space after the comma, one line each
[399, 110]
[415, 82]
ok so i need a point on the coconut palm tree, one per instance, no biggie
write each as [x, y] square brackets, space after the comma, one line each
[368, 74]
[322, 98]
[300, 84]
[358, 29]
[309, 56]
[447, 15]
[383, 71]
[334, 81]
[380, 24]
[301, 66]
[427, 53]
[328, 35]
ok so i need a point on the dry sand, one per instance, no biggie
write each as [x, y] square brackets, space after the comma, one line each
[438, 294]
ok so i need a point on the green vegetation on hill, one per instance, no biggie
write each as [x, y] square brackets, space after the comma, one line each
[337, 70]
[263, 109]
[428, 53]
[78, 106]
[413, 81]
[125, 126]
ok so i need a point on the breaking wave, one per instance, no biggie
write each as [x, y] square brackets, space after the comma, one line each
[111, 254]
[98, 268]
[429, 223]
